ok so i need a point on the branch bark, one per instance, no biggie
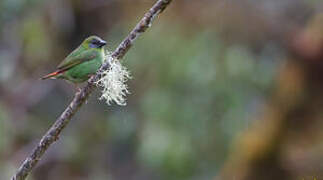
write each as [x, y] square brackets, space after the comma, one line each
[53, 133]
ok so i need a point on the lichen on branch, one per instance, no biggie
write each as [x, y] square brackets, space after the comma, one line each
[113, 82]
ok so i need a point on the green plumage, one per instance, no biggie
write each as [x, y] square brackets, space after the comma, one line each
[83, 62]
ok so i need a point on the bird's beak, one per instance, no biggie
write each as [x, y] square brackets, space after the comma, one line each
[102, 43]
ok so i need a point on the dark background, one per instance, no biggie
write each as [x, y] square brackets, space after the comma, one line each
[221, 89]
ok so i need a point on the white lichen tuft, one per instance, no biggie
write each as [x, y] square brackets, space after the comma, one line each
[113, 81]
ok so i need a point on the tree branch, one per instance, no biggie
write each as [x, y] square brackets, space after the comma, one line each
[53, 133]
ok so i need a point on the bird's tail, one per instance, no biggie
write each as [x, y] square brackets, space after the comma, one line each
[53, 74]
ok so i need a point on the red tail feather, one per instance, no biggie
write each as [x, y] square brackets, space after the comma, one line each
[53, 74]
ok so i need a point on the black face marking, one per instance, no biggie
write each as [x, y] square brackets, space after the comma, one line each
[93, 45]
[97, 43]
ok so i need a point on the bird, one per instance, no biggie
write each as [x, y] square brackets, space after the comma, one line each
[81, 63]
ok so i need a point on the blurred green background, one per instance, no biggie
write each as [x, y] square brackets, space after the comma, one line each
[221, 89]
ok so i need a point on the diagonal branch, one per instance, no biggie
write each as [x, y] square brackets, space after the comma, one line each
[53, 133]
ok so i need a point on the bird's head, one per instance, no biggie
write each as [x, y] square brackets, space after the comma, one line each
[93, 42]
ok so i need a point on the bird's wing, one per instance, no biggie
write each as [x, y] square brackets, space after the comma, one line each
[77, 58]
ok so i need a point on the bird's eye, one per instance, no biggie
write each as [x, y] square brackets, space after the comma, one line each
[96, 43]
[93, 44]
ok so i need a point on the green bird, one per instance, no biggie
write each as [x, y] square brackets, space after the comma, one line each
[83, 62]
